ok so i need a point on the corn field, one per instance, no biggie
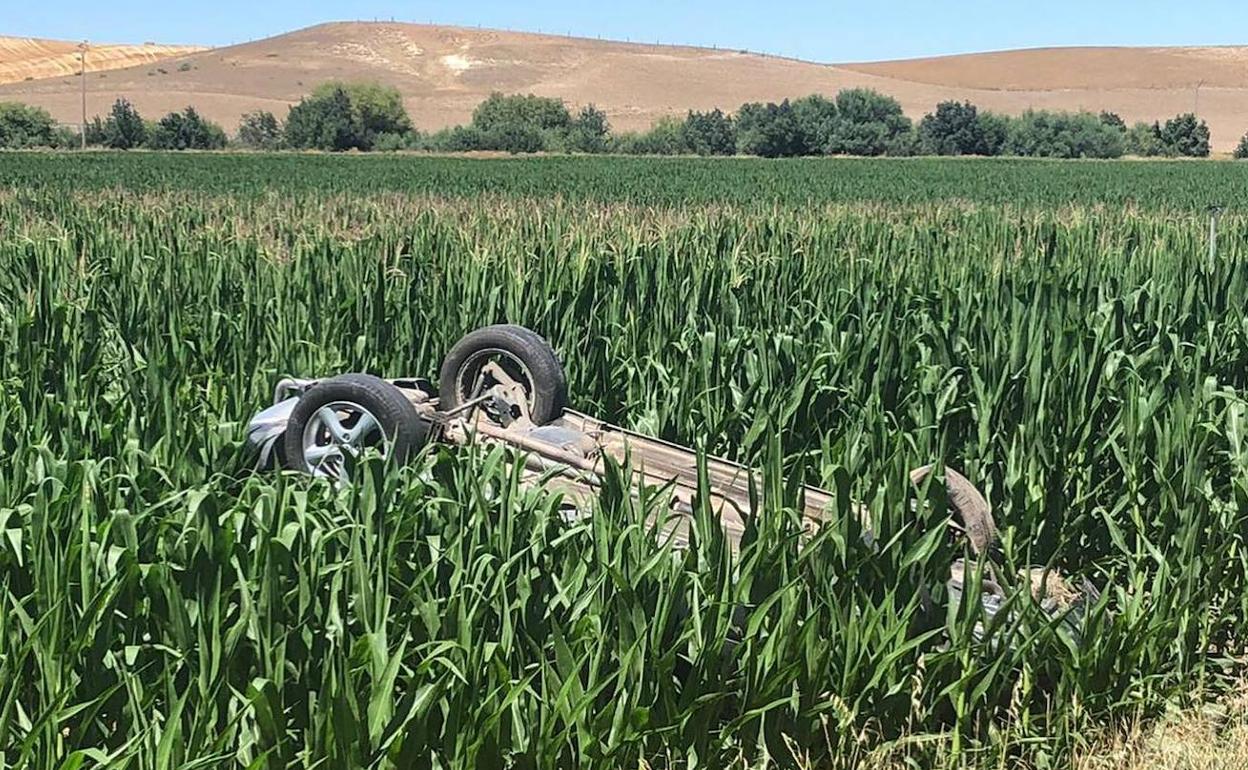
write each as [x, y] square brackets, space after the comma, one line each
[1058, 332]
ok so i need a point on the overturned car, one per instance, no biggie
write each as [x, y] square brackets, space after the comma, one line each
[505, 385]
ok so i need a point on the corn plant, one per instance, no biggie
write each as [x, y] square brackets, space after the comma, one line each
[163, 606]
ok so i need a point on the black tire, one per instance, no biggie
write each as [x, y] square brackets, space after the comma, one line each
[972, 509]
[403, 428]
[547, 387]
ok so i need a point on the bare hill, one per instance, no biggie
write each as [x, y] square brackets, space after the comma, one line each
[28, 58]
[444, 72]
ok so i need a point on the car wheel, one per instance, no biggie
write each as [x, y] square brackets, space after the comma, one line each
[522, 356]
[338, 419]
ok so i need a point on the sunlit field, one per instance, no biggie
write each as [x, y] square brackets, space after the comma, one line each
[1060, 333]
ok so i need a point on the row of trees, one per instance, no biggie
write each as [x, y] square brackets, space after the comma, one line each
[23, 126]
[125, 129]
[347, 116]
[863, 122]
[368, 117]
[855, 122]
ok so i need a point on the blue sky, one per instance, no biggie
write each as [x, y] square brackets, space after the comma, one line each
[831, 31]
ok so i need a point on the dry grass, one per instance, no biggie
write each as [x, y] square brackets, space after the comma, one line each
[25, 58]
[1211, 738]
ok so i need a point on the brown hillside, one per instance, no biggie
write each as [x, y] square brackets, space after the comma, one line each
[444, 72]
[27, 58]
[1054, 69]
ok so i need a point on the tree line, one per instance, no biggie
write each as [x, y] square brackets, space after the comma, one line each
[366, 117]
[24, 127]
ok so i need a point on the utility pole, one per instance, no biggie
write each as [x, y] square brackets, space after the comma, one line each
[1196, 106]
[82, 57]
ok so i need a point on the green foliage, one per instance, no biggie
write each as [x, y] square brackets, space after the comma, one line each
[65, 138]
[769, 130]
[1043, 134]
[185, 130]
[1241, 150]
[1114, 120]
[95, 132]
[124, 128]
[376, 109]
[410, 140]
[325, 122]
[816, 122]
[342, 116]
[501, 111]
[527, 123]
[365, 116]
[959, 128]
[709, 133]
[457, 139]
[515, 138]
[589, 132]
[858, 122]
[995, 129]
[24, 126]
[1144, 140]
[665, 137]
[165, 607]
[868, 123]
[1181, 136]
[260, 130]
[1185, 136]
[904, 145]
[660, 183]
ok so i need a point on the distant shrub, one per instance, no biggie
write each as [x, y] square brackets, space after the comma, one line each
[665, 137]
[709, 133]
[904, 145]
[868, 122]
[456, 139]
[500, 111]
[515, 138]
[185, 130]
[260, 130]
[769, 130]
[817, 118]
[408, 140]
[1185, 136]
[1114, 120]
[341, 116]
[522, 123]
[1042, 134]
[959, 128]
[588, 132]
[25, 126]
[1144, 140]
[95, 132]
[65, 138]
[124, 129]
[324, 122]
[1241, 151]
[376, 109]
